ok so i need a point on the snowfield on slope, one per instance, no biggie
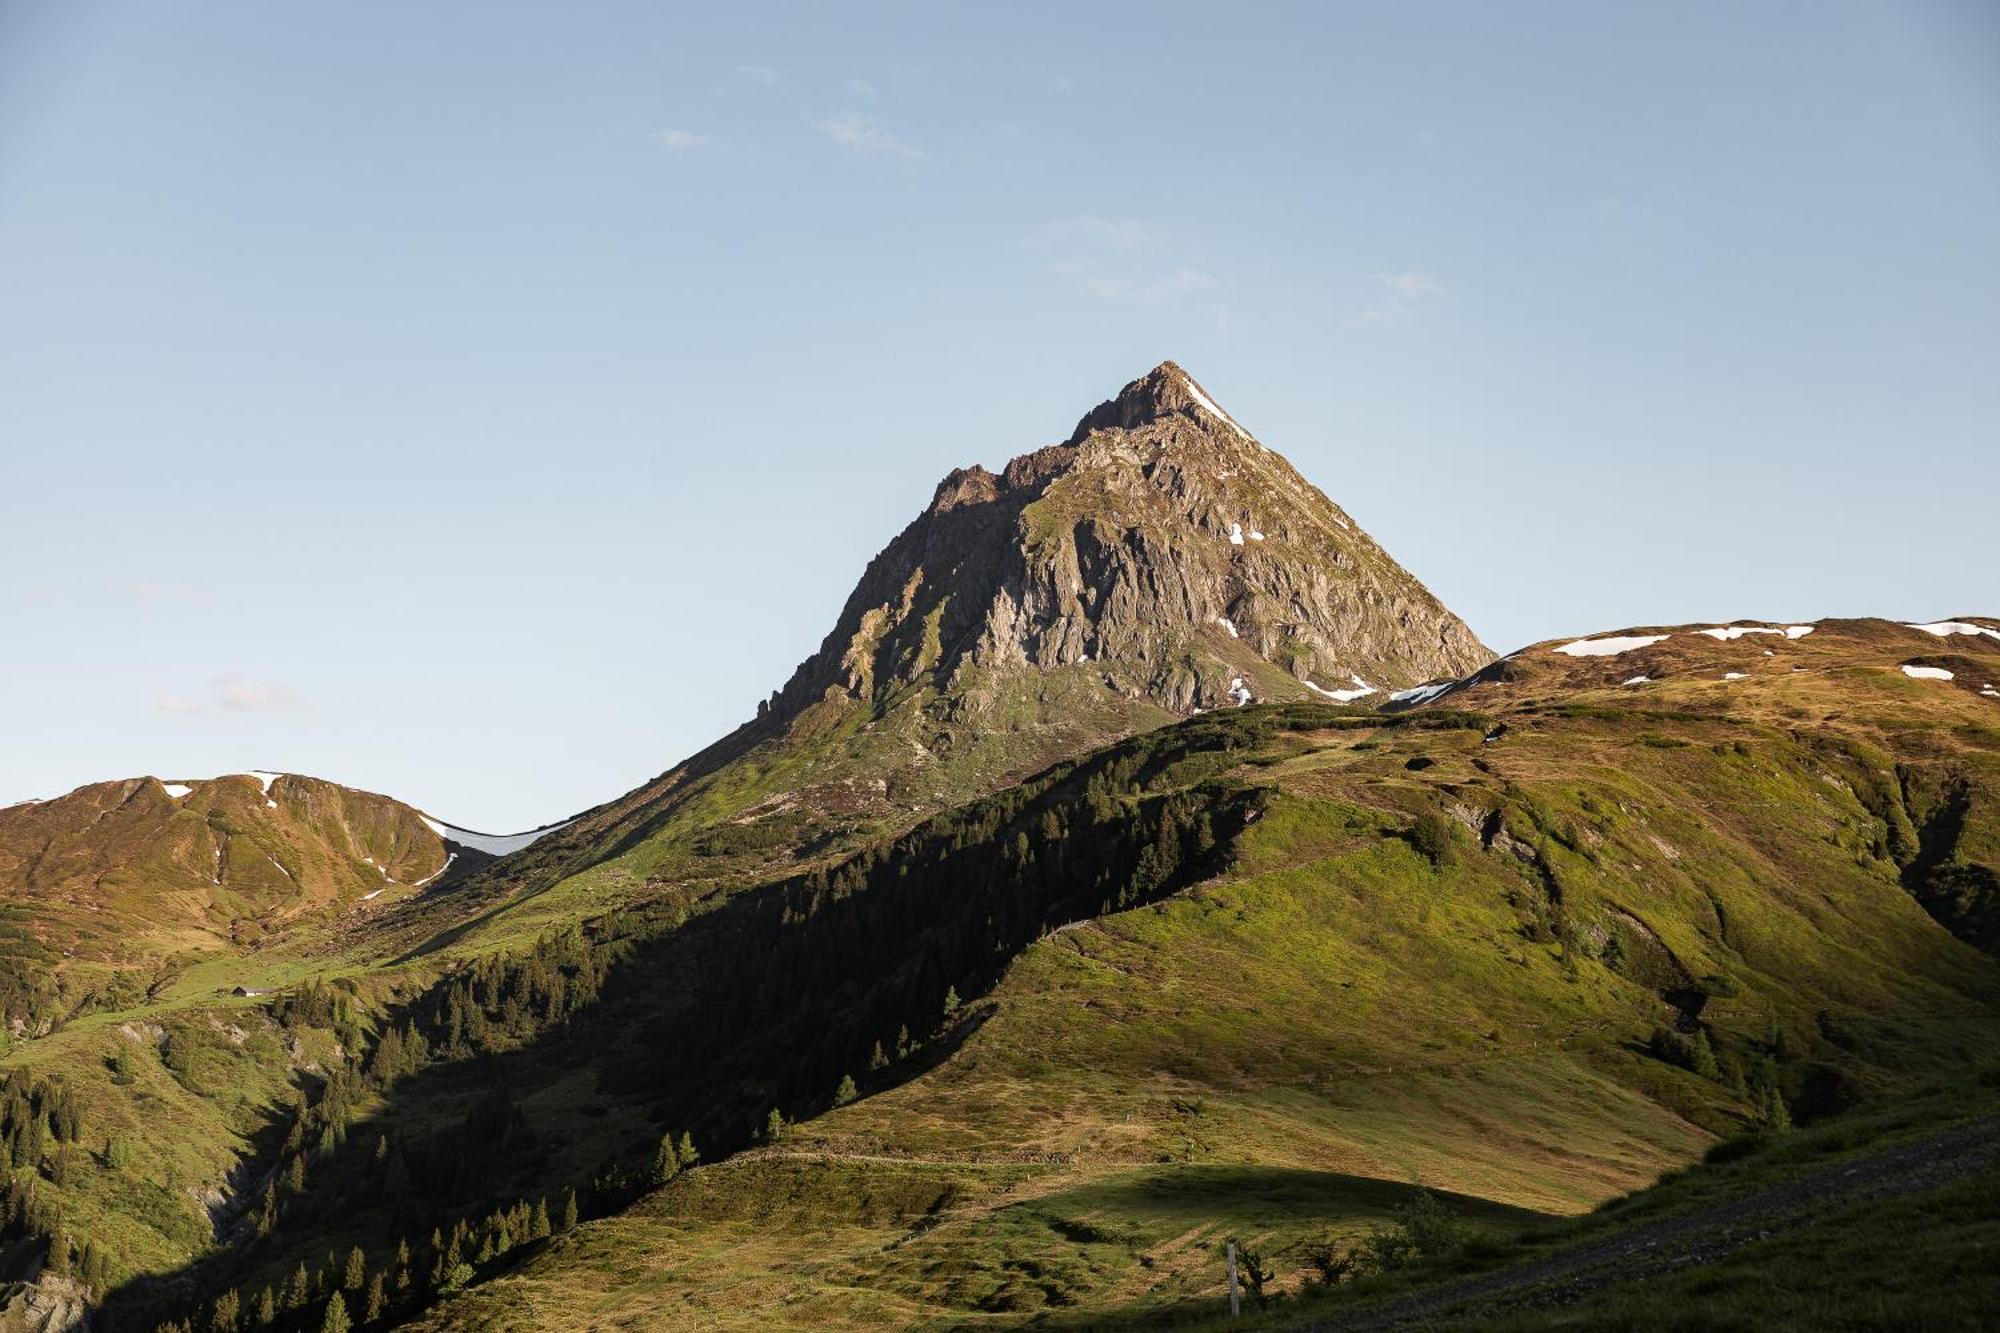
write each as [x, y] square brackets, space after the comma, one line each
[1610, 647]
[493, 844]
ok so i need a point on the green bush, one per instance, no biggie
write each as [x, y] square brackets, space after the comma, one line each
[1432, 836]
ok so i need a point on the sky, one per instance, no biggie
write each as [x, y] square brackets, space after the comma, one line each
[488, 403]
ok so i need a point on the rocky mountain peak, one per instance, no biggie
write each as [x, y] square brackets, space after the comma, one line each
[1165, 390]
[1160, 553]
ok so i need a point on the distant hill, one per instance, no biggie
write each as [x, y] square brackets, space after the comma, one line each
[105, 890]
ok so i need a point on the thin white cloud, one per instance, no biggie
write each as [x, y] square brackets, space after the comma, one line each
[1401, 293]
[1153, 290]
[681, 141]
[1120, 259]
[230, 694]
[1114, 233]
[859, 132]
[762, 75]
[240, 696]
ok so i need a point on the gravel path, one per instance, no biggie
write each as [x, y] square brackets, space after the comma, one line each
[1699, 1236]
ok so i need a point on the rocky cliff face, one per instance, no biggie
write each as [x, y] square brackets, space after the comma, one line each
[1160, 544]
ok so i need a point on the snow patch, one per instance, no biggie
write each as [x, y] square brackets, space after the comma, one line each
[1207, 404]
[1734, 675]
[1229, 625]
[449, 858]
[1235, 534]
[1724, 633]
[1256, 536]
[281, 868]
[1420, 694]
[1926, 673]
[1361, 688]
[493, 844]
[1239, 691]
[368, 896]
[264, 780]
[177, 789]
[1640, 680]
[1609, 647]
[1941, 628]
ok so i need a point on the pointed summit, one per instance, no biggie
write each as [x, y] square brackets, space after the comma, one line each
[1165, 390]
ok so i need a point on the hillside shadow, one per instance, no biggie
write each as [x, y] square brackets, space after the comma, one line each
[1220, 1192]
[766, 1001]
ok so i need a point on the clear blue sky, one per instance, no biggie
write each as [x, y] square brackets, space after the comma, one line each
[488, 403]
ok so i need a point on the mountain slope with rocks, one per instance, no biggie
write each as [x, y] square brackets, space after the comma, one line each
[1158, 563]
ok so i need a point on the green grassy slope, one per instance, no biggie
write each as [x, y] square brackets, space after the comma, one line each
[1501, 1001]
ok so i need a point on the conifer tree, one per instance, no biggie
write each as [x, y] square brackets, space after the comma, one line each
[774, 1126]
[336, 1320]
[266, 1311]
[666, 1162]
[378, 1299]
[297, 1287]
[357, 1270]
[950, 1001]
[877, 1060]
[686, 1151]
[224, 1317]
[569, 1212]
[846, 1092]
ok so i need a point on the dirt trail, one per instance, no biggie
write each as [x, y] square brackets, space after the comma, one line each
[1693, 1238]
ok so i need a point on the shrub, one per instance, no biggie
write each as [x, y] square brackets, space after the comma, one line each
[1690, 1052]
[1332, 1263]
[1425, 1229]
[1431, 835]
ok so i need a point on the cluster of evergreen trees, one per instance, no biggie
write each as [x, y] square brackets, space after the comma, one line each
[35, 1115]
[505, 999]
[41, 1133]
[355, 1292]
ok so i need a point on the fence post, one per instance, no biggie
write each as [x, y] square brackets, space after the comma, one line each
[1235, 1295]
